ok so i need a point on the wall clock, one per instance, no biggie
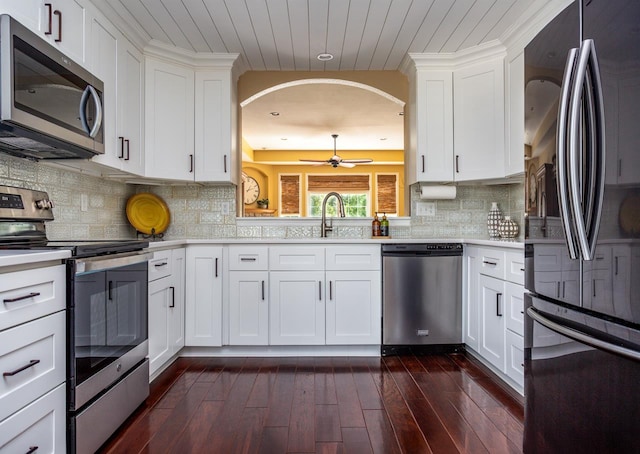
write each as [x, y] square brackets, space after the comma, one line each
[251, 191]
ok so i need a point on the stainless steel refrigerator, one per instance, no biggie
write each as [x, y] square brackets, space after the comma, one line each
[582, 231]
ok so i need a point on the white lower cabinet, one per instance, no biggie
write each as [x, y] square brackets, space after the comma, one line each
[297, 310]
[248, 307]
[40, 425]
[203, 307]
[353, 307]
[33, 360]
[491, 332]
[494, 309]
[166, 306]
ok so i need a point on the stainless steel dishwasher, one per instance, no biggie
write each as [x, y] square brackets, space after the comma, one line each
[421, 298]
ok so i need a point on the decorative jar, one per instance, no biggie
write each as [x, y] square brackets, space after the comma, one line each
[493, 220]
[508, 228]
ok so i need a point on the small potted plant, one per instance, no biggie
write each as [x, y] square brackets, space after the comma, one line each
[263, 203]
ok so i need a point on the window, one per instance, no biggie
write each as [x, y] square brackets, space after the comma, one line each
[386, 191]
[353, 188]
[356, 205]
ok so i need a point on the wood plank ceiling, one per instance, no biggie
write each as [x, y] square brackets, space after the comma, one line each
[288, 35]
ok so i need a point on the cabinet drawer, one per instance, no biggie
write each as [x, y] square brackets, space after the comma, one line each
[41, 340]
[160, 265]
[30, 294]
[248, 258]
[492, 263]
[514, 267]
[353, 258]
[296, 258]
[40, 425]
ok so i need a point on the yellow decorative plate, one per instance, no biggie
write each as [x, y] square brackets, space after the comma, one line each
[148, 213]
[630, 215]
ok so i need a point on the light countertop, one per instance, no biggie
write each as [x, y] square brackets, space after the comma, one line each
[12, 257]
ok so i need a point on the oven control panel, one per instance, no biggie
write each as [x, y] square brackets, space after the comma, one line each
[24, 204]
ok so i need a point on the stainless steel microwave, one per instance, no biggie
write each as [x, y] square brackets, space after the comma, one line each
[50, 107]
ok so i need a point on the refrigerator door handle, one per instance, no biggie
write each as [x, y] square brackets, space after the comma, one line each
[586, 186]
[562, 159]
[582, 337]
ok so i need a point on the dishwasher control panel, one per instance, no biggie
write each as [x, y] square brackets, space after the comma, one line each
[446, 249]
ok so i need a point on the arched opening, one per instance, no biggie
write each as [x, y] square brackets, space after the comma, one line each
[293, 118]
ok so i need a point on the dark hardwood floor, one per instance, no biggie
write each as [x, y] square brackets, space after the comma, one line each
[407, 404]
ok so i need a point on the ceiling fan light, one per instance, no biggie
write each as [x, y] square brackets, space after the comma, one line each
[325, 56]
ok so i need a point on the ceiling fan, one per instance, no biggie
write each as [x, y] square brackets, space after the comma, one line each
[336, 160]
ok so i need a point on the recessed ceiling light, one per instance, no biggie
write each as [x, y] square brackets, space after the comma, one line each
[274, 114]
[383, 138]
[325, 57]
[283, 138]
[401, 113]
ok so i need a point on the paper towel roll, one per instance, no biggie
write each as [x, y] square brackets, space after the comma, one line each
[438, 192]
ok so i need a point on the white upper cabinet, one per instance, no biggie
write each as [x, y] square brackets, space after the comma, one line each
[119, 65]
[431, 115]
[64, 23]
[215, 130]
[169, 117]
[514, 125]
[190, 121]
[478, 112]
[457, 118]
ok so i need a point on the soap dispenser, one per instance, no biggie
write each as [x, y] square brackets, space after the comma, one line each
[375, 226]
[384, 225]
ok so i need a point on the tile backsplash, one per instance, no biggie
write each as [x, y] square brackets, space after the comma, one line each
[197, 210]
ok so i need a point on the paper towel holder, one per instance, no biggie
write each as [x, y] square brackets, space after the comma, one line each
[438, 192]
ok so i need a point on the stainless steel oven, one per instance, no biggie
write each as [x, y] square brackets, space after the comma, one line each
[108, 344]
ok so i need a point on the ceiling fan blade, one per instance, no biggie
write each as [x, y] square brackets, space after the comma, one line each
[346, 164]
[358, 161]
[314, 160]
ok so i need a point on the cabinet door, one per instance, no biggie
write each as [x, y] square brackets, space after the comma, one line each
[64, 24]
[433, 128]
[472, 299]
[178, 269]
[515, 357]
[160, 298]
[214, 135]
[514, 307]
[248, 308]
[514, 160]
[297, 309]
[479, 121]
[27, 12]
[203, 305]
[130, 108]
[169, 119]
[491, 341]
[622, 281]
[104, 64]
[353, 307]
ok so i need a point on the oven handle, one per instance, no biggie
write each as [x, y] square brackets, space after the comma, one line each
[583, 338]
[111, 261]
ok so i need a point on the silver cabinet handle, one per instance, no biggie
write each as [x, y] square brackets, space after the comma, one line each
[561, 146]
[581, 337]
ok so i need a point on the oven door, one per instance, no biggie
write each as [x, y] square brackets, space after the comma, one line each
[107, 322]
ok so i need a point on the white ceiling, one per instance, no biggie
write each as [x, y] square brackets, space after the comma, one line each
[287, 35]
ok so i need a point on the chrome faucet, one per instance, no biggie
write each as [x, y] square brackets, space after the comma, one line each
[324, 228]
